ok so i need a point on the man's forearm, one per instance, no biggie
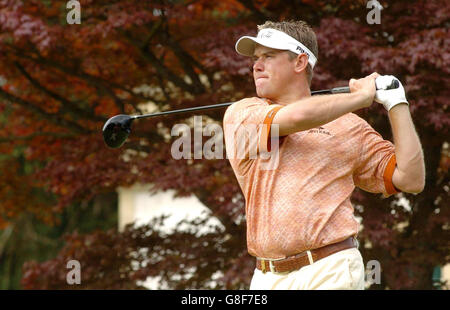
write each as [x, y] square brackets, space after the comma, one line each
[315, 111]
[410, 174]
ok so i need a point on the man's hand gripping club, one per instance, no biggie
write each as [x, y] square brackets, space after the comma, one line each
[375, 87]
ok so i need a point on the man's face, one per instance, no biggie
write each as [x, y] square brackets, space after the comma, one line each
[272, 71]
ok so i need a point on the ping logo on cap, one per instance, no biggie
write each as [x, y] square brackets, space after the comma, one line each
[299, 48]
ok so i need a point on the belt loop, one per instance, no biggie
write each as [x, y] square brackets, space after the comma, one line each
[271, 266]
[263, 266]
[311, 261]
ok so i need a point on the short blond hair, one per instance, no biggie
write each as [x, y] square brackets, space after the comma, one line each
[300, 31]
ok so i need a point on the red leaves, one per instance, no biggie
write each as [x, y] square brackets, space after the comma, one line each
[24, 27]
[101, 266]
[17, 195]
[118, 260]
[428, 48]
[220, 53]
[73, 172]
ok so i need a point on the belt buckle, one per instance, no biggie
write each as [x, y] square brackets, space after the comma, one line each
[263, 265]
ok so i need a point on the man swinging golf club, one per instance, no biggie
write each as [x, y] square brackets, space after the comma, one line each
[300, 222]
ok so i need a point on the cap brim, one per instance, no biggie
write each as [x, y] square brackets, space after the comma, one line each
[246, 45]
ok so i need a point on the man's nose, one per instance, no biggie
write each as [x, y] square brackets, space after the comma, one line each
[258, 65]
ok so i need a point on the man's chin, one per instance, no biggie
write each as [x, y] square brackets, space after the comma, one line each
[261, 93]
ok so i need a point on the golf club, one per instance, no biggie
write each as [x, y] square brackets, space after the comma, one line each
[117, 129]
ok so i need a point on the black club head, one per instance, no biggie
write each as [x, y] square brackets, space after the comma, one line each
[116, 130]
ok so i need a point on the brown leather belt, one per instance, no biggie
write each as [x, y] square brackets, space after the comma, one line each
[300, 260]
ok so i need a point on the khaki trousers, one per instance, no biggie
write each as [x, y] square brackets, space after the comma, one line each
[343, 270]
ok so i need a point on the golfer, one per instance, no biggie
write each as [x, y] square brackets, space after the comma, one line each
[300, 223]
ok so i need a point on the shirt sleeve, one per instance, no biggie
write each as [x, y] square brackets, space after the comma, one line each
[375, 164]
[247, 126]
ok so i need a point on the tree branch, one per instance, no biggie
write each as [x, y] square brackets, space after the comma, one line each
[37, 134]
[183, 56]
[165, 72]
[186, 60]
[67, 104]
[54, 118]
[80, 74]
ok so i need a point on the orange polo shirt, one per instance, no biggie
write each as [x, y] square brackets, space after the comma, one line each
[298, 198]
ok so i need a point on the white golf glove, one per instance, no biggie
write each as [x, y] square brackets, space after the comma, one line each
[389, 97]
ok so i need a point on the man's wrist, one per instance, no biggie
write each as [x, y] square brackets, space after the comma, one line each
[362, 99]
[390, 105]
[400, 107]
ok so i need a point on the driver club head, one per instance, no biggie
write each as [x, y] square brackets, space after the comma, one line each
[116, 130]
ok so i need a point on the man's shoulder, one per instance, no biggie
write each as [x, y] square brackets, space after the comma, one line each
[247, 102]
[242, 104]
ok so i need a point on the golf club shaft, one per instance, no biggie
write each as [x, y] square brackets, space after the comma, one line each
[205, 107]
[336, 90]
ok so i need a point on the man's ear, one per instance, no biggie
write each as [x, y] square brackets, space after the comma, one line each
[301, 62]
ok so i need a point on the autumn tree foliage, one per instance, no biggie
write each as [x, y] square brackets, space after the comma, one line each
[59, 83]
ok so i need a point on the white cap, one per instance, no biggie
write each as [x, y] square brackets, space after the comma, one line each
[274, 39]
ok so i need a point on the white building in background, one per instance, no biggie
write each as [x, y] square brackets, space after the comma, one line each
[138, 206]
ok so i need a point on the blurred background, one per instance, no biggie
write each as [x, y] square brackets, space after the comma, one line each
[137, 218]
